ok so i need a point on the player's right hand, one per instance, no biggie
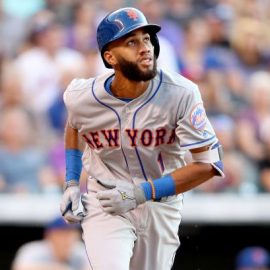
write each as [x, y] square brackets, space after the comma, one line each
[70, 203]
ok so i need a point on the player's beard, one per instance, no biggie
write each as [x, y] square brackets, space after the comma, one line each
[132, 72]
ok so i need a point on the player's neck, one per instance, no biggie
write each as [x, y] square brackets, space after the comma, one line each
[124, 88]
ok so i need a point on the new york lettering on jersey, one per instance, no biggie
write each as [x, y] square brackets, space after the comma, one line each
[146, 137]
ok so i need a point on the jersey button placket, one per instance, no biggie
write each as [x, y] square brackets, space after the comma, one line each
[126, 144]
[124, 125]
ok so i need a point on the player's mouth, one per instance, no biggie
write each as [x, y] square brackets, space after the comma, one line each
[146, 61]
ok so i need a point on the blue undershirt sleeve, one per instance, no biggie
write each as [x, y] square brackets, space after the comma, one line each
[73, 164]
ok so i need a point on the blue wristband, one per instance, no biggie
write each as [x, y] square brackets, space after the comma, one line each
[146, 186]
[164, 187]
[73, 164]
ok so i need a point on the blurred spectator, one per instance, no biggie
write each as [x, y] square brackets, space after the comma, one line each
[218, 23]
[221, 60]
[251, 120]
[253, 258]
[81, 34]
[181, 11]
[107, 6]
[60, 249]
[235, 85]
[23, 9]
[264, 164]
[193, 54]
[62, 9]
[11, 93]
[56, 112]
[205, 4]
[249, 39]
[155, 12]
[252, 8]
[23, 167]
[12, 32]
[214, 92]
[12, 96]
[41, 65]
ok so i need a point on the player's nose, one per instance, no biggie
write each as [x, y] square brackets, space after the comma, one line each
[145, 47]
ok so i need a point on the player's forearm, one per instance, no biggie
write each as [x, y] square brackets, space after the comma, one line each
[191, 176]
[72, 140]
[207, 162]
[181, 180]
[73, 153]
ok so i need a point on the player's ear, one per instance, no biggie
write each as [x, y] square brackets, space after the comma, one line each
[109, 58]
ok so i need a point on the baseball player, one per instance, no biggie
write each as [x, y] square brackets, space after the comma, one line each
[136, 123]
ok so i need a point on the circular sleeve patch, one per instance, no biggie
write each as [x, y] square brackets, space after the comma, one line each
[198, 117]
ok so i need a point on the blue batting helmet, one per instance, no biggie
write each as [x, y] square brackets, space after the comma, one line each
[120, 23]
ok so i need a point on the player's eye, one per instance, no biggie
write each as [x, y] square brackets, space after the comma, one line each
[147, 38]
[131, 42]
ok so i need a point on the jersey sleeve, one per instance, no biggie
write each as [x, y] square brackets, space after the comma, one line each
[74, 99]
[193, 127]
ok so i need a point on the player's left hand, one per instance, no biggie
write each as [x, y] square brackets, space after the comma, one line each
[120, 197]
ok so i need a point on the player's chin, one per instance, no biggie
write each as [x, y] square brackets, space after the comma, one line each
[146, 67]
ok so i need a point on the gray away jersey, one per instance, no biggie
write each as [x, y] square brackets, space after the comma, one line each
[144, 138]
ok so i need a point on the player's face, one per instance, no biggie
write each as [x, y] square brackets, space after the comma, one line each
[134, 56]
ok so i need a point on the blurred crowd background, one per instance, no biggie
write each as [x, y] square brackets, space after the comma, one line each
[222, 45]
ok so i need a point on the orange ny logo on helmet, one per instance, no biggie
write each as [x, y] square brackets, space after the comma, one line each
[132, 14]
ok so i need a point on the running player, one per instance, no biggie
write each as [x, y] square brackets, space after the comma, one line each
[137, 122]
